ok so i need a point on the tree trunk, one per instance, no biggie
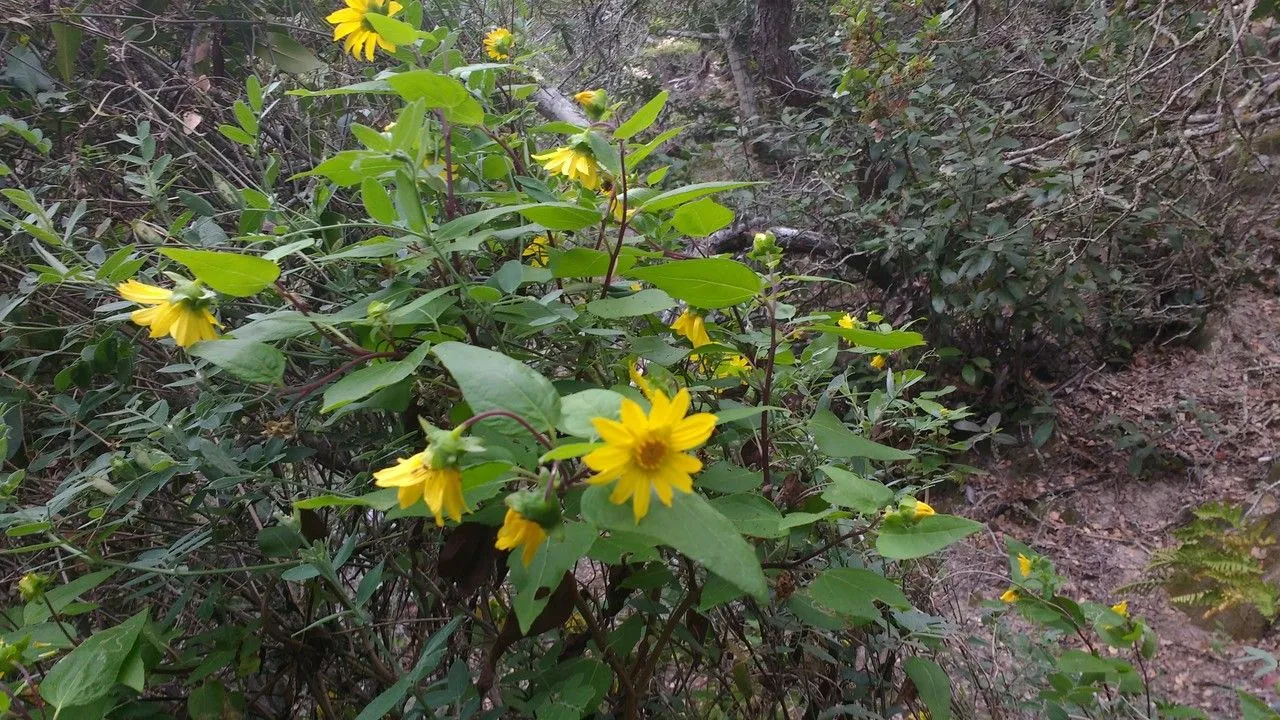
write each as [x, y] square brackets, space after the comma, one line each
[771, 39]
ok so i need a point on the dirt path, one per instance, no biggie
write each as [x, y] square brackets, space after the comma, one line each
[1215, 417]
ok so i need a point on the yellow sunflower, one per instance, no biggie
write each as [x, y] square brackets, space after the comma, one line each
[499, 43]
[847, 321]
[1024, 565]
[692, 326]
[182, 315]
[520, 532]
[735, 366]
[414, 479]
[646, 455]
[537, 251]
[878, 362]
[351, 22]
[922, 510]
[1121, 608]
[575, 163]
[1010, 596]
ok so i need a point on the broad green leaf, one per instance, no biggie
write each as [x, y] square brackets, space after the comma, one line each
[228, 273]
[1254, 708]
[247, 360]
[874, 339]
[725, 477]
[439, 91]
[853, 592]
[717, 591]
[701, 218]
[493, 381]
[67, 39]
[368, 380]
[585, 262]
[91, 670]
[836, 440]
[368, 87]
[907, 540]
[1079, 661]
[60, 597]
[642, 118]
[246, 118]
[704, 282]
[644, 302]
[381, 500]
[932, 684]
[548, 567]
[577, 411]
[691, 526]
[751, 514]
[561, 216]
[689, 193]
[290, 56]
[352, 167]
[396, 32]
[854, 491]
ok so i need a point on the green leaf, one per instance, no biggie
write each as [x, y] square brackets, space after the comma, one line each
[836, 440]
[644, 302]
[196, 203]
[561, 216]
[546, 570]
[1079, 661]
[366, 381]
[717, 591]
[1254, 708]
[725, 477]
[853, 593]
[377, 202]
[247, 360]
[493, 381]
[907, 540]
[577, 411]
[689, 193]
[290, 56]
[854, 491]
[60, 597]
[874, 339]
[351, 167]
[396, 32]
[235, 134]
[703, 282]
[932, 684]
[701, 218]
[642, 118]
[584, 262]
[228, 273]
[751, 514]
[67, 39]
[439, 91]
[691, 526]
[91, 670]
[246, 118]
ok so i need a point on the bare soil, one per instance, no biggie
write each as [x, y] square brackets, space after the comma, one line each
[1214, 415]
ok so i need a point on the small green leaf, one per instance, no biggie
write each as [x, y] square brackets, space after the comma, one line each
[689, 193]
[907, 540]
[703, 282]
[246, 118]
[366, 381]
[396, 32]
[290, 56]
[247, 360]
[642, 118]
[751, 514]
[67, 39]
[853, 592]
[644, 302]
[874, 339]
[691, 526]
[854, 491]
[561, 216]
[377, 202]
[90, 671]
[492, 381]
[585, 263]
[579, 409]
[197, 204]
[228, 273]
[836, 440]
[701, 218]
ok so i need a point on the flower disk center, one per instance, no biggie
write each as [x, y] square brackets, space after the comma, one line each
[649, 453]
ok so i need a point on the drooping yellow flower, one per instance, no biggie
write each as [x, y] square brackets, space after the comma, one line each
[692, 326]
[735, 366]
[414, 479]
[922, 510]
[538, 251]
[639, 380]
[574, 163]
[1010, 596]
[520, 532]
[646, 455]
[1024, 565]
[588, 98]
[185, 317]
[847, 321]
[499, 43]
[1121, 608]
[878, 362]
[351, 22]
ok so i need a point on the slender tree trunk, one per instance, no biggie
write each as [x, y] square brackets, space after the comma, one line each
[771, 40]
[742, 84]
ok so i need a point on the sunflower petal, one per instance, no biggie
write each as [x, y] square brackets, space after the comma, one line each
[142, 293]
[690, 432]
